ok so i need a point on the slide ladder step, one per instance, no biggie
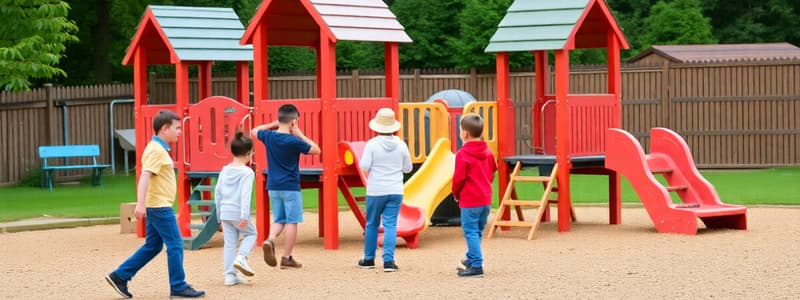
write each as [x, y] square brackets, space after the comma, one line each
[675, 188]
[661, 171]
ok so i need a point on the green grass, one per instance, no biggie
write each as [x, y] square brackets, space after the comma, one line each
[768, 186]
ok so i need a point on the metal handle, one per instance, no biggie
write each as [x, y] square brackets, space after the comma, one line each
[183, 141]
[543, 122]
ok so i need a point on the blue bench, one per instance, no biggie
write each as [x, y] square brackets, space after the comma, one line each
[71, 151]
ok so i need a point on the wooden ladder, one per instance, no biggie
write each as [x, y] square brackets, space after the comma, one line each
[542, 204]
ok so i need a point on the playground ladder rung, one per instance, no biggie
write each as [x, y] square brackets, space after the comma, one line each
[197, 226]
[204, 188]
[361, 198]
[513, 224]
[201, 202]
[661, 171]
[201, 214]
[532, 179]
[519, 202]
[677, 188]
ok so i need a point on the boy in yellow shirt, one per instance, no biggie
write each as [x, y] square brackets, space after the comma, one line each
[154, 196]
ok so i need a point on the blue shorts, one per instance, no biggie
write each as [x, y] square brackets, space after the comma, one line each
[287, 206]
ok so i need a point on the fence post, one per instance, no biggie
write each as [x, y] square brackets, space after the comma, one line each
[355, 85]
[417, 88]
[51, 114]
[666, 120]
[473, 81]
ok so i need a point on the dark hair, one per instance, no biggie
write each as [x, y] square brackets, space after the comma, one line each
[241, 144]
[287, 113]
[164, 118]
[473, 124]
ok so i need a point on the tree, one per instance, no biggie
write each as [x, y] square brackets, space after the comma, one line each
[33, 40]
[429, 23]
[477, 23]
[676, 22]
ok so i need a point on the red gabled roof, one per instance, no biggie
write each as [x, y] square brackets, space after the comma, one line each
[285, 5]
[149, 33]
[589, 31]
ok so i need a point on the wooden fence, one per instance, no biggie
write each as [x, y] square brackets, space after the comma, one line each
[736, 115]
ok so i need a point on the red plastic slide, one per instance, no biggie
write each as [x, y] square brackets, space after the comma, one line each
[671, 157]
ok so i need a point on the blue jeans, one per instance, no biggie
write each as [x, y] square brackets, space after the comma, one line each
[287, 206]
[230, 232]
[162, 228]
[388, 207]
[473, 220]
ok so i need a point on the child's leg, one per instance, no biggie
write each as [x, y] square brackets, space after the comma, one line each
[152, 247]
[293, 203]
[375, 205]
[167, 227]
[231, 236]
[278, 213]
[274, 230]
[249, 236]
[390, 212]
[469, 223]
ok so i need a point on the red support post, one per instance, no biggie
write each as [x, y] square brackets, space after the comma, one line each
[563, 133]
[329, 178]
[243, 83]
[203, 80]
[505, 126]
[139, 100]
[615, 88]
[260, 92]
[542, 76]
[184, 188]
[392, 67]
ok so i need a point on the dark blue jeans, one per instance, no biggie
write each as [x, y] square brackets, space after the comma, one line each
[386, 207]
[473, 220]
[162, 228]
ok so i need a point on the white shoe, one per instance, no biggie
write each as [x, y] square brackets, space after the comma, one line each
[234, 279]
[240, 263]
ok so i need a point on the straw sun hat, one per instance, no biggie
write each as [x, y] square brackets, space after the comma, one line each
[384, 122]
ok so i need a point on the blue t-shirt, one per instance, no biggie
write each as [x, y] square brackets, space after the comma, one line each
[283, 159]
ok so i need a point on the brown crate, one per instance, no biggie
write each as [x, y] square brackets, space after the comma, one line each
[127, 220]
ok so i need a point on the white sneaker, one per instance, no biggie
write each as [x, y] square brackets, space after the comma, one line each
[240, 263]
[234, 279]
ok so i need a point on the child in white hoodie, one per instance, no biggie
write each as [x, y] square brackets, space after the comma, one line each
[385, 159]
[232, 195]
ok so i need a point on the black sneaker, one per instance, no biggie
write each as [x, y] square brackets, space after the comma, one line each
[471, 272]
[389, 266]
[119, 285]
[366, 263]
[189, 292]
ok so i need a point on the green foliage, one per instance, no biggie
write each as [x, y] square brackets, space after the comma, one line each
[429, 23]
[677, 22]
[34, 37]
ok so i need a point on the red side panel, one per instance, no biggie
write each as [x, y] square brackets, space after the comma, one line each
[212, 125]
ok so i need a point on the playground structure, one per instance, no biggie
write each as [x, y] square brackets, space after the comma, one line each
[569, 130]
[576, 132]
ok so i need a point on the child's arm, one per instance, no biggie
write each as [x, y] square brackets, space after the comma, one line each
[245, 197]
[459, 176]
[270, 126]
[407, 166]
[141, 194]
[314, 150]
[217, 199]
[366, 159]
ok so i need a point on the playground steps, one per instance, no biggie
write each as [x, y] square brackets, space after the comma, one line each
[207, 210]
[541, 204]
[670, 157]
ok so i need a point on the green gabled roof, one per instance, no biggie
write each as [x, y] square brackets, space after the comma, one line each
[537, 25]
[203, 33]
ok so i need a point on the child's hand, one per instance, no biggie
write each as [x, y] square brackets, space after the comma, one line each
[243, 224]
[140, 212]
[296, 131]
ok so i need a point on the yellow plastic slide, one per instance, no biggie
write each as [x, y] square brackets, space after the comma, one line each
[431, 184]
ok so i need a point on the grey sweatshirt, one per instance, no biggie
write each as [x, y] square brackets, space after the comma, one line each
[385, 159]
[233, 193]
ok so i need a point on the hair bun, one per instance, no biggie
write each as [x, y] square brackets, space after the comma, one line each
[239, 135]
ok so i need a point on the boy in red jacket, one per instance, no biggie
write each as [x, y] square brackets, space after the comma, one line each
[472, 188]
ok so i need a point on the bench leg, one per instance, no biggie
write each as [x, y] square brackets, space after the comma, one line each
[50, 179]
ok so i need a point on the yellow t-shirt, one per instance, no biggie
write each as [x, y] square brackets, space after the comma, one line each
[162, 189]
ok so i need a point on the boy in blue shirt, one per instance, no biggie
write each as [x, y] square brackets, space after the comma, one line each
[284, 143]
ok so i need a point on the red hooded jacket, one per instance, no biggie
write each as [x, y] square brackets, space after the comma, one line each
[474, 174]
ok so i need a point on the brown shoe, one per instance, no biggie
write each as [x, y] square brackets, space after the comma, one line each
[289, 262]
[269, 253]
